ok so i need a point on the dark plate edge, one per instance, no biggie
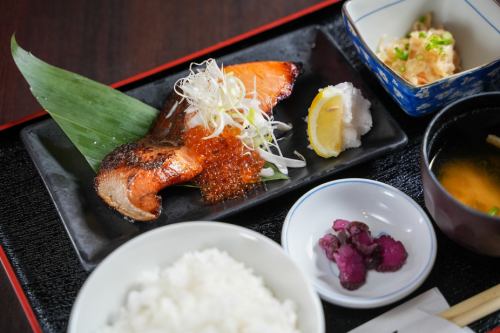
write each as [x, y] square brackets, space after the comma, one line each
[26, 134]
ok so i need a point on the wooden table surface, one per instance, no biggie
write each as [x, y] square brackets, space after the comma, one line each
[108, 41]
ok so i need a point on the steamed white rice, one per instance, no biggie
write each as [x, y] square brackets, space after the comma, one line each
[203, 292]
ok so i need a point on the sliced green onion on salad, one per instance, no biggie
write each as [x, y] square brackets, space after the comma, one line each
[401, 54]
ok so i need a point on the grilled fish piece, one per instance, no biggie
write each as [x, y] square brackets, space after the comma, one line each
[273, 80]
[131, 176]
[170, 124]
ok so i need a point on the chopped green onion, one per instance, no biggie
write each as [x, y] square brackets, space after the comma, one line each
[437, 42]
[493, 211]
[447, 36]
[446, 39]
[401, 54]
[251, 116]
[422, 34]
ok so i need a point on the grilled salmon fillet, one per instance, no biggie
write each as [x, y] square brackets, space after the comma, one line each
[131, 176]
[170, 124]
[273, 80]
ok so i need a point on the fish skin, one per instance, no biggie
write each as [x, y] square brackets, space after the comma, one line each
[130, 177]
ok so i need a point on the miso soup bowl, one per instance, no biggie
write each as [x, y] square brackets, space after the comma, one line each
[468, 227]
[475, 25]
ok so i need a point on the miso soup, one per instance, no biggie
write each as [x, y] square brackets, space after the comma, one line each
[469, 169]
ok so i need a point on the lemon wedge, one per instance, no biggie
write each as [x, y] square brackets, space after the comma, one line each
[324, 122]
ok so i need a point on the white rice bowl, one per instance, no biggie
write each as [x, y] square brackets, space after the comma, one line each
[162, 274]
[204, 291]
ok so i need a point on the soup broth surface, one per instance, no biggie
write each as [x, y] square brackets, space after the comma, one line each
[469, 169]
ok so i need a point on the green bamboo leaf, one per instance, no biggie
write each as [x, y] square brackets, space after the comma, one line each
[95, 117]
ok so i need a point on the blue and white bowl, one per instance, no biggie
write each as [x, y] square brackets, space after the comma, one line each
[475, 25]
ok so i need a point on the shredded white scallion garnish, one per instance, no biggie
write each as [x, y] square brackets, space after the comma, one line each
[217, 99]
[267, 172]
[172, 109]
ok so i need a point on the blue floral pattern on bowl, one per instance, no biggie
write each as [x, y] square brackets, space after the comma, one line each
[419, 101]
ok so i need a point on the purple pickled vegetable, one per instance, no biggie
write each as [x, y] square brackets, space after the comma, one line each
[355, 251]
[364, 242]
[393, 254]
[329, 243]
[343, 237]
[356, 227]
[339, 224]
[351, 266]
[373, 260]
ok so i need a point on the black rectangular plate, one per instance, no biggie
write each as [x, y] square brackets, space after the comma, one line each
[95, 229]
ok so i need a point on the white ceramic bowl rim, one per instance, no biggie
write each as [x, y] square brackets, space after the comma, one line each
[396, 75]
[380, 300]
[193, 224]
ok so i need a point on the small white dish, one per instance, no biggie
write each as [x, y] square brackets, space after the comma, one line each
[104, 291]
[385, 210]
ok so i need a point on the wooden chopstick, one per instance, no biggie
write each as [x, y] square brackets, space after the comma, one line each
[474, 308]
